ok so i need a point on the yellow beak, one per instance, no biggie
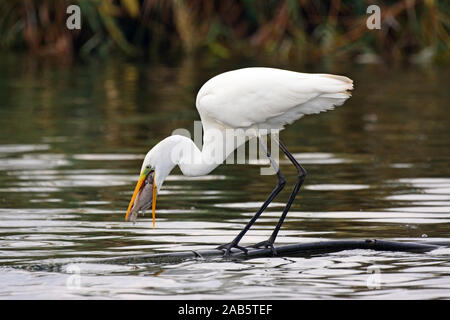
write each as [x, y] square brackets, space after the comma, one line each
[154, 200]
[141, 180]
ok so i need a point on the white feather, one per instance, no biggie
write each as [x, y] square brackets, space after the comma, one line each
[267, 97]
[241, 99]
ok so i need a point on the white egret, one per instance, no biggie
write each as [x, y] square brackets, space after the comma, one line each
[249, 98]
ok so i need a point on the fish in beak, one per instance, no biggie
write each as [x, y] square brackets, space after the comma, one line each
[144, 196]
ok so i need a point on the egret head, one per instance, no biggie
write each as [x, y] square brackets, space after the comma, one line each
[156, 167]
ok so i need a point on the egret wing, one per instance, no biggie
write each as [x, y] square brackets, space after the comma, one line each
[269, 97]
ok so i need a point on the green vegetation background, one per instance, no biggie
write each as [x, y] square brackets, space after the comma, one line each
[413, 31]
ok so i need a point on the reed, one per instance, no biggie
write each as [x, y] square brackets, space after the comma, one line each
[414, 31]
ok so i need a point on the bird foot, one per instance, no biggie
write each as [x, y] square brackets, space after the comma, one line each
[267, 244]
[227, 247]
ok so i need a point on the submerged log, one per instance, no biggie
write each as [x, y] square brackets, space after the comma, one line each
[292, 250]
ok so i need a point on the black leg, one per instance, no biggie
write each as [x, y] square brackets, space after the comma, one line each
[280, 184]
[301, 173]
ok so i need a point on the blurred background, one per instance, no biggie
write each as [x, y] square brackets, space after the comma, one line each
[412, 31]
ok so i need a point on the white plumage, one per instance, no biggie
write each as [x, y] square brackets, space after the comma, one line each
[268, 98]
[257, 98]
[250, 98]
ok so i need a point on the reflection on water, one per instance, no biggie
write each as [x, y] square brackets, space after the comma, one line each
[71, 145]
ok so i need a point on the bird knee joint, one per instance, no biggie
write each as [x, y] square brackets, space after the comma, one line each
[281, 181]
[302, 174]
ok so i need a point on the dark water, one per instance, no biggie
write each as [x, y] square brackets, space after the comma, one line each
[72, 139]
